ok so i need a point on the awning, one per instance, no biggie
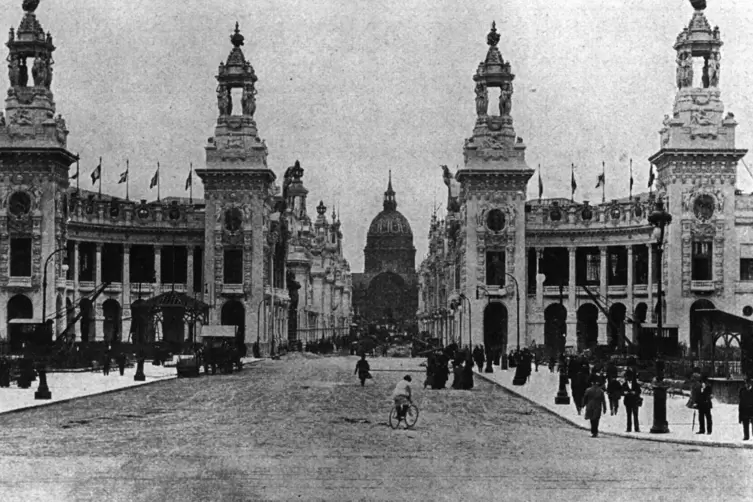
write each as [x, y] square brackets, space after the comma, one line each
[725, 321]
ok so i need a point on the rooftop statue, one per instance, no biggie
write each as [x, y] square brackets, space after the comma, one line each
[30, 5]
[698, 4]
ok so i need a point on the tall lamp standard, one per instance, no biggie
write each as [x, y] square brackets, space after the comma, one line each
[470, 330]
[660, 219]
[43, 392]
[44, 283]
[517, 301]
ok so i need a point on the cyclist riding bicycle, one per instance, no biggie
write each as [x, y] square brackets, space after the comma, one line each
[402, 396]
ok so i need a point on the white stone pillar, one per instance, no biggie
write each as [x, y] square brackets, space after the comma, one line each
[650, 315]
[189, 270]
[539, 284]
[99, 317]
[126, 307]
[572, 315]
[157, 269]
[603, 293]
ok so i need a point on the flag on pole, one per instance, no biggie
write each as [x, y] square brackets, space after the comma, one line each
[97, 174]
[155, 178]
[75, 176]
[650, 175]
[631, 178]
[541, 184]
[600, 180]
[573, 184]
[123, 177]
[189, 180]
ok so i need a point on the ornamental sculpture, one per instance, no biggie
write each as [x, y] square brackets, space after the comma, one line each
[248, 100]
[224, 102]
[712, 69]
[482, 99]
[684, 70]
[505, 99]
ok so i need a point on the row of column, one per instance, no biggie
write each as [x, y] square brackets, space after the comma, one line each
[603, 286]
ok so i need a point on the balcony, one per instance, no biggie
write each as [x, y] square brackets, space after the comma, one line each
[19, 282]
[702, 286]
[555, 290]
[114, 287]
[617, 290]
[143, 287]
[496, 291]
[232, 289]
[86, 285]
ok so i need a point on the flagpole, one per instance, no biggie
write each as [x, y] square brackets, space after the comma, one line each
[128, 179]
[540, 184]
[572, 178]
[190, 196]
[158, 197]
[78, 158]
[631, 179]
[603, 182]
[100, 177]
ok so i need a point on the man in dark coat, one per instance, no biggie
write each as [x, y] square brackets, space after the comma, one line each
[745, 409]
[595, 403]
[478, 356]
[631, 389]
[121, 363]
[704, 407]
[467, 380]
[362, 368]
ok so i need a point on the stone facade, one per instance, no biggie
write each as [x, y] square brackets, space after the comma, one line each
[587, 274]
[248, 250]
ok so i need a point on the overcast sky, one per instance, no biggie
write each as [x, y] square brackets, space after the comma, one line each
[354, 88]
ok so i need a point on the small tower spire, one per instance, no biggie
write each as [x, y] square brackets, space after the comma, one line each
[390, 204]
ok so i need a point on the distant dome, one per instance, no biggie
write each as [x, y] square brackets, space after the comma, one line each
[390, 223]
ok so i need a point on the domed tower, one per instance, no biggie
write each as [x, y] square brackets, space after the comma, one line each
[493, 183]
[388, 291]
[34, 162]
[238, 187]
[696, 168]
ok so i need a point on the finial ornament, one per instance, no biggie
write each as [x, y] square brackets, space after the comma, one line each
[237, 39]
[30, 5]
[493, 37]
[698, 4]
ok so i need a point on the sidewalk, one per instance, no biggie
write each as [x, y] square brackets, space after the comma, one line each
[542, 388]
[65, 386]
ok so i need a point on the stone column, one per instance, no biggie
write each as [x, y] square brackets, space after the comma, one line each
[603, 284]
[650, 315]
[126, 307]
[539, 284]
[76, 291]
[189, 270]
[99, 334]
[572, 315]
[157, 269]
[630, 279]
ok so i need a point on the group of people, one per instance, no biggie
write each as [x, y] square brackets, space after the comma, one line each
[438, 373]
[120, 360]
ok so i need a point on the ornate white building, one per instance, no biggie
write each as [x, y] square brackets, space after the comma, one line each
[248, 255]
[582, 275]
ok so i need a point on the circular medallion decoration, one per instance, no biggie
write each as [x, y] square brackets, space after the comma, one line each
[173, 213]
[233, 219]
[142, 212]
[90, 208]
[555, 214]
[747, 311]
[703, 207]
[19, 203]
[114, 211]
[495, 220]
[615, 213]
[586, 214]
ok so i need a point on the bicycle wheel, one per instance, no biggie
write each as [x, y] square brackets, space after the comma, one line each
[411, 417]
[394, 422]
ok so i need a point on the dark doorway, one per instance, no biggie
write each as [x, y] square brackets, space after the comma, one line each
[700, 327]
[87, 320]
[173, 327]
[19, 307]
[555, 329]
[112, 326]
[616, 325]
[142, 328]
[233, 314]
[588, 327]
[495, 327]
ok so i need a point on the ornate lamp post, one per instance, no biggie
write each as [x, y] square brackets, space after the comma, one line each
[517, 301]
[470, 330]
[660, 218]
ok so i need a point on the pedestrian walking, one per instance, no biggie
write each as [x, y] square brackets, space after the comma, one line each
[467, 378]
[578, 388]
[745, 408]
[121, 363]
[614, 391]
[362, 368]
[594, 401]
[631, 389]
[704, 407]
[478, 356]
[106, 364]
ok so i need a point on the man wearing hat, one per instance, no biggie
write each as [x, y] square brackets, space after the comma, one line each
[745, 409]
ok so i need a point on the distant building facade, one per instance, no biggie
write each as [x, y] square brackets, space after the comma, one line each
[554, 272]
[248, 253]
[386, 293]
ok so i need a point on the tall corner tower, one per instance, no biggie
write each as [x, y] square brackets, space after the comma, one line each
[237, 184]
[696, 169]
[34, 164]
[493, 184]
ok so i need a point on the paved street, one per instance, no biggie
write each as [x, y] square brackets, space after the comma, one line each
[303, 429]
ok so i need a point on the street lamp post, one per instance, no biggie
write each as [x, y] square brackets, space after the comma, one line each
[660, 219]
[43, 392]
[517, 301]
[470, 330]
[44, 283]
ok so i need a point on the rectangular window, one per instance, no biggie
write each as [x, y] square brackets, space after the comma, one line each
[198, 270]
[495, 268]
[702, 261]
[20, 257]
[87, 253]
[593, 264]
[233, 273]
[70, 260]
[746, 269]
[174, 264]
[640, 262]
[112, 263]
[142, 264]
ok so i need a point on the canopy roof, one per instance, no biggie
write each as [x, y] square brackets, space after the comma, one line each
[173, 299]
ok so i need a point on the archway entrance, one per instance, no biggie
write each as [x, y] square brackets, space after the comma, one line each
[19, 307]
[588, 327]
[173, 328]
[495, 328]
[387, 305]
[616, 326]
[233, 314]
[112, 326]
[87, 320]
[701, 336]
[555, 329]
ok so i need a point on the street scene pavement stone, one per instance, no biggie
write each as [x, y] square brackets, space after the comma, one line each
[303, 428]
[542, 387]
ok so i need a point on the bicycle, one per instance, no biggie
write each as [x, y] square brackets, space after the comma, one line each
[410, 418]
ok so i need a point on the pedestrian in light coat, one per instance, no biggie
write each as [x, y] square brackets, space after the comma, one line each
[595, 403]
[745, 409]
